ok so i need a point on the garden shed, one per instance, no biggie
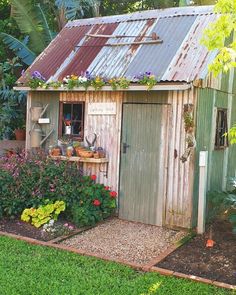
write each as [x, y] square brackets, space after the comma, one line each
[152, 137]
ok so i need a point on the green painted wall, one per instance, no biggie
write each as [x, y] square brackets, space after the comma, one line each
[51, 98]
[221, 163]
[147, 96]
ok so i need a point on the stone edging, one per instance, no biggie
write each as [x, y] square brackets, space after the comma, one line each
[148, 267]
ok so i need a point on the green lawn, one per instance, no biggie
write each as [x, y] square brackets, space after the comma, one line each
[27, 269]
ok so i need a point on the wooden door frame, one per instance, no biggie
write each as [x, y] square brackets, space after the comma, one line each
[166, 148]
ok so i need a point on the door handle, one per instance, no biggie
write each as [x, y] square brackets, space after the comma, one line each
[125, 146]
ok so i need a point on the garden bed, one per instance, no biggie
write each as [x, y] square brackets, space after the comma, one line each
[15, 226]
[217, 263]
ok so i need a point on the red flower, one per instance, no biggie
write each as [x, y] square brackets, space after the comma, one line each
[113, 194]
[96, 202]
[106, 188]
[93, 177]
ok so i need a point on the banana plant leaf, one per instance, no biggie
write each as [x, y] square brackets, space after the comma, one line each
[19, 47]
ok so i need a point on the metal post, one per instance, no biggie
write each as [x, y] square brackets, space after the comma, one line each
[203, 156]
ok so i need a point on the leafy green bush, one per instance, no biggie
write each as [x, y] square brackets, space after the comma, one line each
[43, 214]
[29, 181]
[222, 205]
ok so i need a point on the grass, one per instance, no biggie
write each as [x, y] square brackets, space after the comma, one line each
[35, 270]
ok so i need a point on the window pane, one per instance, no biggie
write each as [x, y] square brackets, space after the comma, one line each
[72, 117]
[221, 129]
[77, 112]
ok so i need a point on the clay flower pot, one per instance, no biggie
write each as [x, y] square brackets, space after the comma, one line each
[20, 134]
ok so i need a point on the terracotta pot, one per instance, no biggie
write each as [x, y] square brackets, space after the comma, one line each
[69, 152]
[78, 149]
[20, 134]
[56, 152]
[85, 154]
[96, 155]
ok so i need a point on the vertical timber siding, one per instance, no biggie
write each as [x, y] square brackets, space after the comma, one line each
[180, 175]
[107, 127]
[177, 210]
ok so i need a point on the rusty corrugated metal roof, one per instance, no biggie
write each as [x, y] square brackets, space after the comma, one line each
[179, 58]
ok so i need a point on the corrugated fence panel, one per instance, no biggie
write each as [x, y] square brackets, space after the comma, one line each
[180, 175]
[204, 136]
[107, 127]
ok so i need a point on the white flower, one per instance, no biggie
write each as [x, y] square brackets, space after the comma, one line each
[82, 79]
[51, 222]
[45, 226]
[65, 80]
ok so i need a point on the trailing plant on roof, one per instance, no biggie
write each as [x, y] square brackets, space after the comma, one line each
[86, 79]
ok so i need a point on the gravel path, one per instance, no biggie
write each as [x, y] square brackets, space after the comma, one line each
[130, 241]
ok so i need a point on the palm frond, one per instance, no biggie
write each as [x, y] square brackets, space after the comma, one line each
[72, 8]
[19, 47]
[26, 16]
[48, 34]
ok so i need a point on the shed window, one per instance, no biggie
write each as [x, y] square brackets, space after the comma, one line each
[72, 120]
[221, 141]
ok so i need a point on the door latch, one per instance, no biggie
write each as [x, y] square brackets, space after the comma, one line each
[125, 146]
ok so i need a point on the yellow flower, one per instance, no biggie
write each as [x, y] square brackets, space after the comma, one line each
[74, 77]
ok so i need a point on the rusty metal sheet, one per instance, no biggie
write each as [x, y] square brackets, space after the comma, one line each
[156, 58]
[192, 58]
[53, 56]
[87, 51]
[142, 15]
[113, 61]
[179, 58]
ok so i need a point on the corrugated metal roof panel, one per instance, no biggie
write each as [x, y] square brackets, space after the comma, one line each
[192, 58]
[88, 50]
[53, 56]
[142, 15]
[179, 58]
[113, 61]
[156, 58]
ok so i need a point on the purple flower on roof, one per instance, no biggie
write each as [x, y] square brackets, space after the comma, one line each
[22, 72]
[38, 75]
[88, 75]
[148, 73]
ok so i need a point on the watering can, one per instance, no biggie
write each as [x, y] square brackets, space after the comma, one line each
[37, 112]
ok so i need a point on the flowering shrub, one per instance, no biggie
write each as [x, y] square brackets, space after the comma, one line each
[28, 181]
[97, 82]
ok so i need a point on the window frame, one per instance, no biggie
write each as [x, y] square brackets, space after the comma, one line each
[218, 130]
[62, 103]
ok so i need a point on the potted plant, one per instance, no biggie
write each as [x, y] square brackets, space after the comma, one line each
[63, 143]
[11, 118]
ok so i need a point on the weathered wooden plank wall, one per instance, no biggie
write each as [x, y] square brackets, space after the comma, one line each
[52, 112]
[180, 175]
[108, 129]
[177, 207]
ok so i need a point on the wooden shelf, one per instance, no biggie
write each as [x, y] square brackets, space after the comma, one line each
[80, 159]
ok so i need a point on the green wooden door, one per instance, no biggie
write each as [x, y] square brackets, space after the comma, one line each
[143, 162]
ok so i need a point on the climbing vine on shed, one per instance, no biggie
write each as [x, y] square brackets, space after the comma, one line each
[189, 129]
